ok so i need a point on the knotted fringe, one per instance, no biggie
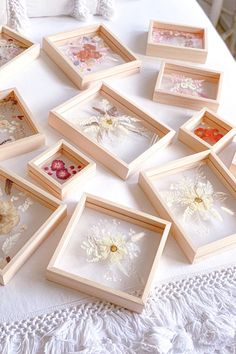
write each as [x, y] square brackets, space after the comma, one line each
[17, 15]
[195, 315]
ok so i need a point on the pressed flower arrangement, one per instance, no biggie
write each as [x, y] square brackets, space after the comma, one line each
[109, 251]
[188, 86]
[111, 128]
[16, 51]
[197, 193]
[206, 130]
[61, 168]
[19, 133]
[27, 216]
[90, 54]
[175, 41]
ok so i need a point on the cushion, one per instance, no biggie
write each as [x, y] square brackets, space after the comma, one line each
[16, 13]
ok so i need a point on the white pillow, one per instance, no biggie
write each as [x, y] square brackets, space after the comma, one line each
[19, 11]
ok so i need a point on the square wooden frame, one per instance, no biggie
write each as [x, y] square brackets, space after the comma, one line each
[46, 228]
[101, 154]
[145, 181]
[168, 51]
[83, 81]
[188, 101]
[21, 60]
[93, 288]
[57, 189]
[187, 136]
[27, 144]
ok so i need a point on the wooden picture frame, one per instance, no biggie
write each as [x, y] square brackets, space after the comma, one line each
[196, 102]
[169, 51]
[25, 144]
[76, 157]
[121, 298]
[97, 151]
[209, 118]
[146, 182]
[31, 52]
[45, 199]
[131, 63]
[233, 166]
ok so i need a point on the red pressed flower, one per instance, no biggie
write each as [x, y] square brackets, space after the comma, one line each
[72, 167]
[63, 173]
[57, 165]
[50, 173]
[74, 172]
[83, 55]
[46, 168]
[211, 135]
[218, 137]
[20, 117]
[8, 259]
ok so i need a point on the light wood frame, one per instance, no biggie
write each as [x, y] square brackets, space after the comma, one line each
[188, 101]
[59, 212]
[100, 153]
[21, 60]
[27, 144]
[131, 66]
[118, 297]
[187, 136]
[57, 189]
[146, 182]
[169, 51]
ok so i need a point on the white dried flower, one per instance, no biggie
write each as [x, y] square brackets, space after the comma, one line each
[106, 243]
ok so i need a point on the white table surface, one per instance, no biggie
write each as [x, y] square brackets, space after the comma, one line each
[43, 86]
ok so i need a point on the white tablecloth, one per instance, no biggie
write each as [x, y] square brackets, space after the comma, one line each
[43, 86]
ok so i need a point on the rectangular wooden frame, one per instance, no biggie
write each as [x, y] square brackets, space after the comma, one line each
[187, 136]
[35, 240]
[21, 60]
[26, 144]
[168, 51]
[131, 66]
[101, 154]
[57, 189]
[119, 297]
[188, 101]
[145, 181]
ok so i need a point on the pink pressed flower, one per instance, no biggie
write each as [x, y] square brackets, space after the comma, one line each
[46, 168]
[63, 173]
[57, 165]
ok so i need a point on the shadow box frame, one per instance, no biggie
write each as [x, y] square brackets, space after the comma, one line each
[97, 151]
[119, 297]
[59, 213]
[132, 65]
[187, 136]
[187, 101]
[26, 144]
[21, 60]
[168, 51]
[192, 253]
[55, 188]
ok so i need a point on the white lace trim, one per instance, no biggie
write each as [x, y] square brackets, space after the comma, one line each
[194, 315]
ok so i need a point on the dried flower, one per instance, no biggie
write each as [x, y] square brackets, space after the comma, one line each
[9, 217]
[197, 198]
[186, 85]
[106, 243]
[63, 173]
[109, 123]
[87, 51]
[211, 135]
[57, 165]
[9, 49]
